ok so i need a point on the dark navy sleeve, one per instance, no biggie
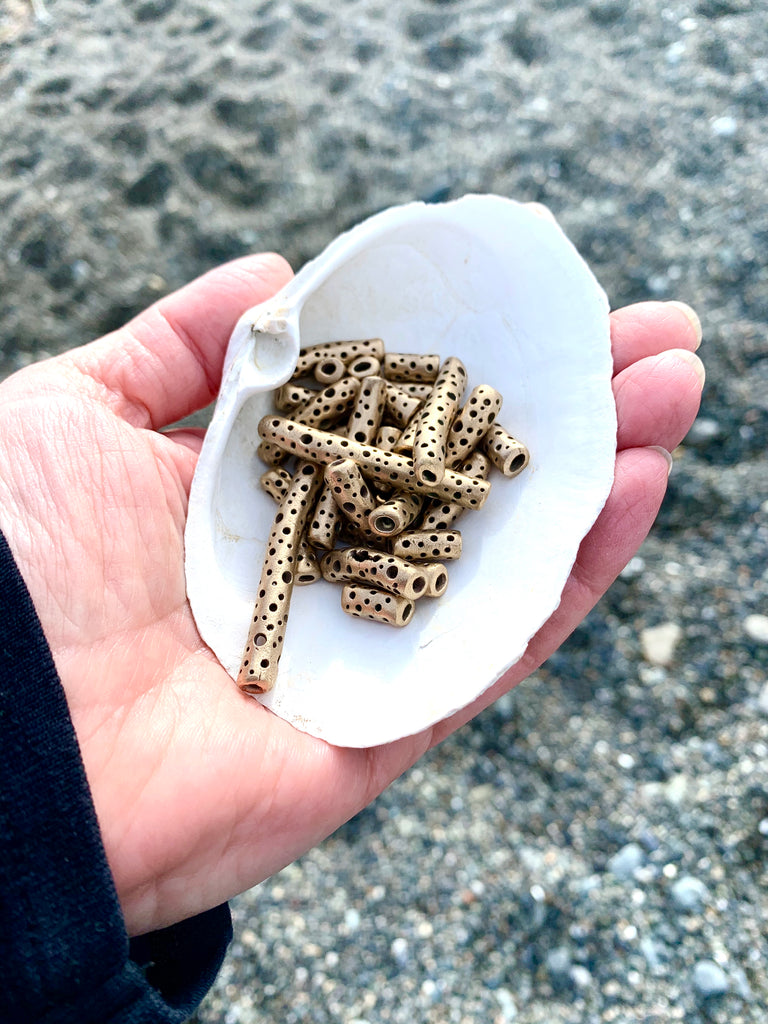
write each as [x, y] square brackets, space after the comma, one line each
[65, 957]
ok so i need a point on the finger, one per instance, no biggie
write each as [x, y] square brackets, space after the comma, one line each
[166, 363]
[648, 328]
[657, 399]
[638, 488]
[190, 437]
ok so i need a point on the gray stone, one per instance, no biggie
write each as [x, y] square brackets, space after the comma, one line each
[709, 979]
[688, 894]
[626, 861]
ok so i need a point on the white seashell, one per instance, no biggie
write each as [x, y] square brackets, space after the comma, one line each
[490, 281]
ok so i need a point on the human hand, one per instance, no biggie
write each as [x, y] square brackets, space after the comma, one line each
[201, 792]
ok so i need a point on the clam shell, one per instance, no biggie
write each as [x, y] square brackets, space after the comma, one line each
[483, 278]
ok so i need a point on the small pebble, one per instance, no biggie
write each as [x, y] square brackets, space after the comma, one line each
[756, 628]
[688, 893]
[709, 979]
[626, 861]
[704, 430]
[399, 951]
[724, 127]
[558, 964]
[659, 643]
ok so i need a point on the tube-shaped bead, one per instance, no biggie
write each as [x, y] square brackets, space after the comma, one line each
[264, 646]
[428, 545]
[376, 605]
[410, 366]
[435, 419]
[395, 514]
[376, 568]
[328, 406]
[508, 455]
[350, 491]
[344, 350]
[368, 409]
[471, 423]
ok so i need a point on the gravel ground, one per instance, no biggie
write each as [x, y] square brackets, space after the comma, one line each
[593, 847]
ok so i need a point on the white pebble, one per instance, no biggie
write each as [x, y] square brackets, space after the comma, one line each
[724, 127]
[756, 627]
[659, 642]
[709, 979]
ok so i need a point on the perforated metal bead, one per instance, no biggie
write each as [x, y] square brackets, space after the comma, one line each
[471, 423]
[350, 491]
[400, 405]
[290, 396]
[264, 646]
[329, 406]
[364, 366]
[329, 370]
[434, 421]
[271, 454]
[437, 578]
[276, 483]
[428, 545]
[325, 522]
[344, 350]
[376, 605]
[375, 568]
[387, 437]
[395, 514]
[441, 515]
[367, 411]
[508, 455]
[410, 366]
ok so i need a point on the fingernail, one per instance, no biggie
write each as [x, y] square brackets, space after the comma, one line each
[693, 359]
[692, 315]
[667, 455]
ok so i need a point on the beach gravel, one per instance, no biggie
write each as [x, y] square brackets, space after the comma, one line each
[593, 847]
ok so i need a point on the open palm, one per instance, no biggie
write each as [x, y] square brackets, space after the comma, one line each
[200, 792]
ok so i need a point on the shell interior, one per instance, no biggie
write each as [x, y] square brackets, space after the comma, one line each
[485, 279]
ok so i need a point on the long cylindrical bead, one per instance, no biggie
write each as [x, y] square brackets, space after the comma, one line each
[329, 370]
[428, 545]
[364, 565]
[508, 455]
[407, 366]
[276, 482]
[258, 670]
[376, 605]
[350, 491]
[367, 411]
[471, 423]
[400, 405]
[435, 420]
[443, 514]
[290, 396]
[437, 578]
[344, 350]
[328, 406]
[396, 514]
[387, 467]
[325, 521]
